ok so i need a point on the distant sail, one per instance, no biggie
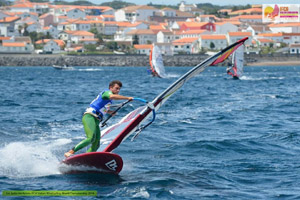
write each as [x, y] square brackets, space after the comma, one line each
[114, 135]
[237, 63]
[156, 62]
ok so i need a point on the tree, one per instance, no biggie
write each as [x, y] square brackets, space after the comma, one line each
[135, 40]
[97, 35]
[112, 45]
[25, 33]
[90, 47]
[212, 45]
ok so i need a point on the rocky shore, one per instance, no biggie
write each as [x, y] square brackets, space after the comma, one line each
[138, 60]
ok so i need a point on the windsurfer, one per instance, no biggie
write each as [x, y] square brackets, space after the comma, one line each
[93, 115]
[228, 70]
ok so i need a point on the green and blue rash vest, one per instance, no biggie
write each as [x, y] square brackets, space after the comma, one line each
[100, 105]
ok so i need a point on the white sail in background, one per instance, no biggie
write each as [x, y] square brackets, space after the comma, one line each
[239, 60]
[156, 62]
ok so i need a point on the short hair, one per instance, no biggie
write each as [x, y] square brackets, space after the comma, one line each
[113, 83]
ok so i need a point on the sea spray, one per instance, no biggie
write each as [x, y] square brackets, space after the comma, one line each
[30, 159]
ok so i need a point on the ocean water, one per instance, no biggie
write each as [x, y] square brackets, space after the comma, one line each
[215, 138]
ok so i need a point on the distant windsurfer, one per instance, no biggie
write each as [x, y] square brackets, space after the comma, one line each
[93, 115]
[228, 70]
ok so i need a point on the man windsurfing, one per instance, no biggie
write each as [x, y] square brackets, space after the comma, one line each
[94, 114]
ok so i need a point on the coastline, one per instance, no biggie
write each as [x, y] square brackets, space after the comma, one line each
[273, 63]
[138, 60]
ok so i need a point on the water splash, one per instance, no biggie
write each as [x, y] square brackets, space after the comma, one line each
[30, 159]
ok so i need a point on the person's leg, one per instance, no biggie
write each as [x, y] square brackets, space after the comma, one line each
[96, 141]
[90, 125]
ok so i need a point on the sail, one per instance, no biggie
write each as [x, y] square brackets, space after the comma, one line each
[156, 62]
[112, 137]
[239, 61]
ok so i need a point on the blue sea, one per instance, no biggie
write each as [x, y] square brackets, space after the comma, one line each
[215, 138]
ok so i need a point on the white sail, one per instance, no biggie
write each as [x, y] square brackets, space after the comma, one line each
[239, 60]
[156, 62]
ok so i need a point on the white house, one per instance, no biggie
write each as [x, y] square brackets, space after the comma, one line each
[295, 49]
[214, 42]
[165, 36]
[144, 36]
[135, 13]
[186, 7]
[54, 46]
[233, 37]
[258, 28]
[109, 28]
[143, 48]
[186, 45]
[7, 26]
[32, 15]
[64, 35]
[249, 18]
[168, 12]
[77, 36]
[276, 37]
[285, 27]
[33, 27]
[51, 30]
[68, 25]
[165, 48]
[22, 7]
[16, 47]
[82, 25]
[291, 38]
[193, 33]
[224, 27]
[75, 13]
[125, 27]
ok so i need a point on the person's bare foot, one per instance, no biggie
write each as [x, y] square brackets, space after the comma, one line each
[69, 153]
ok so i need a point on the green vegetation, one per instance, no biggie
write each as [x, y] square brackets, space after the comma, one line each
[135, 40]
[90, 47]
[267, 50]
[159, 6]
[98, 35]
[213, 9]
[212, 45]
[40, 1]
[5, 3]
[116, 4]
[78, 3]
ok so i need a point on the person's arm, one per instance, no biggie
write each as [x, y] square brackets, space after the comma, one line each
[119, 97]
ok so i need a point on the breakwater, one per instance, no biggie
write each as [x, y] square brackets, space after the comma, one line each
[130, 60]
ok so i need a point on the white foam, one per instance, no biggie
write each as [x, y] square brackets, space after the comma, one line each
[90, 69]
[30, 159]
[249, 78]
[171, 75]
[140, 193]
